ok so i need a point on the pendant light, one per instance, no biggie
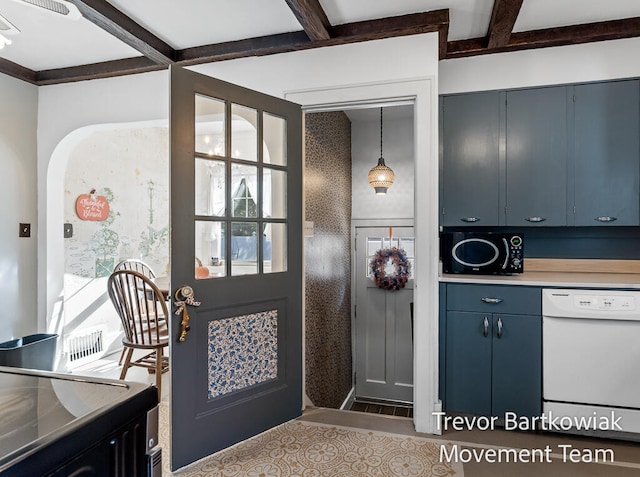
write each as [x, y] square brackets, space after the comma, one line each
[380, 176]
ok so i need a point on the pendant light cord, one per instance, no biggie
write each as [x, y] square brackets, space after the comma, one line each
[380, 132]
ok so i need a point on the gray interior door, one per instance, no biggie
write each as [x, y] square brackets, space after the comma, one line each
[236, 241]
[384, 341]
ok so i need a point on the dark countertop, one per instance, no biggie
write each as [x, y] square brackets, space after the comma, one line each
[46, 418]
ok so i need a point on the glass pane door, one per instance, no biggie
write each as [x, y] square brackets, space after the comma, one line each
[241, 190]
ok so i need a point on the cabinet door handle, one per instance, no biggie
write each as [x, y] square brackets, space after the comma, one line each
[486, 327]
[535, 219]
[499, 327]
[492, 301]
[606, 218]
[470, 220]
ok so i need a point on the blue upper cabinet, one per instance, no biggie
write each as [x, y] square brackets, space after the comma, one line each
[549, 156]
[536, 159]
[470, 134]
[605, 159]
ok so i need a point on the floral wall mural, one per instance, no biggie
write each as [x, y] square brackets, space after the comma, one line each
[129, 168]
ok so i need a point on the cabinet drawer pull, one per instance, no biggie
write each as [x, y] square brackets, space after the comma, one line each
[535, 219]
[499, 327]
[606, 218]
[486, 327]
[492, 301]
[470, 220]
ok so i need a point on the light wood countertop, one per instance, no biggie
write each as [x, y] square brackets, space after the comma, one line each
[563, 273]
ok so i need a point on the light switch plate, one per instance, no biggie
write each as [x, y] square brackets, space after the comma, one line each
[309, 229]
[25, 230]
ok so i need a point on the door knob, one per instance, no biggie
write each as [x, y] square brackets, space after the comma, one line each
[184, 298]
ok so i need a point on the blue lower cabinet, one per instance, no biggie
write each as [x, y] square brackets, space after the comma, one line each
[517, 365]
[468, 364]
[493, 363]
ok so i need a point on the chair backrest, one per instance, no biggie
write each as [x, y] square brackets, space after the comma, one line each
[141, 307]
[135, 265]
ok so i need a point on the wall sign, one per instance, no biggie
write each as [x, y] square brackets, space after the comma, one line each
[92, 206]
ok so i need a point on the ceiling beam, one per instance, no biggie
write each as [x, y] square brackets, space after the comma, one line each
[436, 21]
[10, 68]
[106, 69]
[113, 21]
[568, 35]
[443, 38]
[403, 25]
[230, 50]
[503, 18]
[312, 18]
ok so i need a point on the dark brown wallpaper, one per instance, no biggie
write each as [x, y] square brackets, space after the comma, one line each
[328, 258]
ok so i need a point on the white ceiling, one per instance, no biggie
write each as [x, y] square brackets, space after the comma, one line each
[47, 41]
[188, 23]
[537, 14]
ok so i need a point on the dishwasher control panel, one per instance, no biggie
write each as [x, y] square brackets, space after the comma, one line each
[604, 302]
[591, 304]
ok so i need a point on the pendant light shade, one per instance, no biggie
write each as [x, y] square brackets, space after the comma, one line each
[381, 176]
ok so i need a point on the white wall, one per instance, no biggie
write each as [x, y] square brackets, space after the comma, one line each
[68, 113]
[397, 150]
[546, 66]
[359, 72]
[18, 194]
[63, 110]
[358, 63]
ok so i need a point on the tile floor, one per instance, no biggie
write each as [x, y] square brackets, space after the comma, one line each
[626, 464]
[626, 454]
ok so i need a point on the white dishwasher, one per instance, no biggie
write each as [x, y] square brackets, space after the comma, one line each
[591, 360]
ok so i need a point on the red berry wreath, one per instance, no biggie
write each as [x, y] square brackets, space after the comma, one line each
[402, 268]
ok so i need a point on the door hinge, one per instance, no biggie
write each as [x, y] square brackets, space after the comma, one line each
[574, 98]
[443, 211]
[574, 210]
[355, 311]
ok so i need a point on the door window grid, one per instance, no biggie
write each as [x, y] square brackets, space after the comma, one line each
[376, 243]
[254, 193]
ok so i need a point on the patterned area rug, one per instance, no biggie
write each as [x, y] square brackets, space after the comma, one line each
[304, 449]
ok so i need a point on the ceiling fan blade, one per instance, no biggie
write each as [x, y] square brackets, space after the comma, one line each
[7, 28]
[58, 7]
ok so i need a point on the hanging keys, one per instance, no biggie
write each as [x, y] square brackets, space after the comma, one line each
[184, 298]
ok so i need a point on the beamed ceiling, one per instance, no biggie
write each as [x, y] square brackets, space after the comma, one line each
[153, 51]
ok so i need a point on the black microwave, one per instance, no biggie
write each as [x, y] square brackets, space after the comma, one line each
[482, 253]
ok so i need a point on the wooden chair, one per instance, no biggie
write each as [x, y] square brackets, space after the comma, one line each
[136, 266]
[144, 315]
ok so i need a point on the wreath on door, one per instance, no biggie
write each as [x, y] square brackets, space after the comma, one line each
[398, 258]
